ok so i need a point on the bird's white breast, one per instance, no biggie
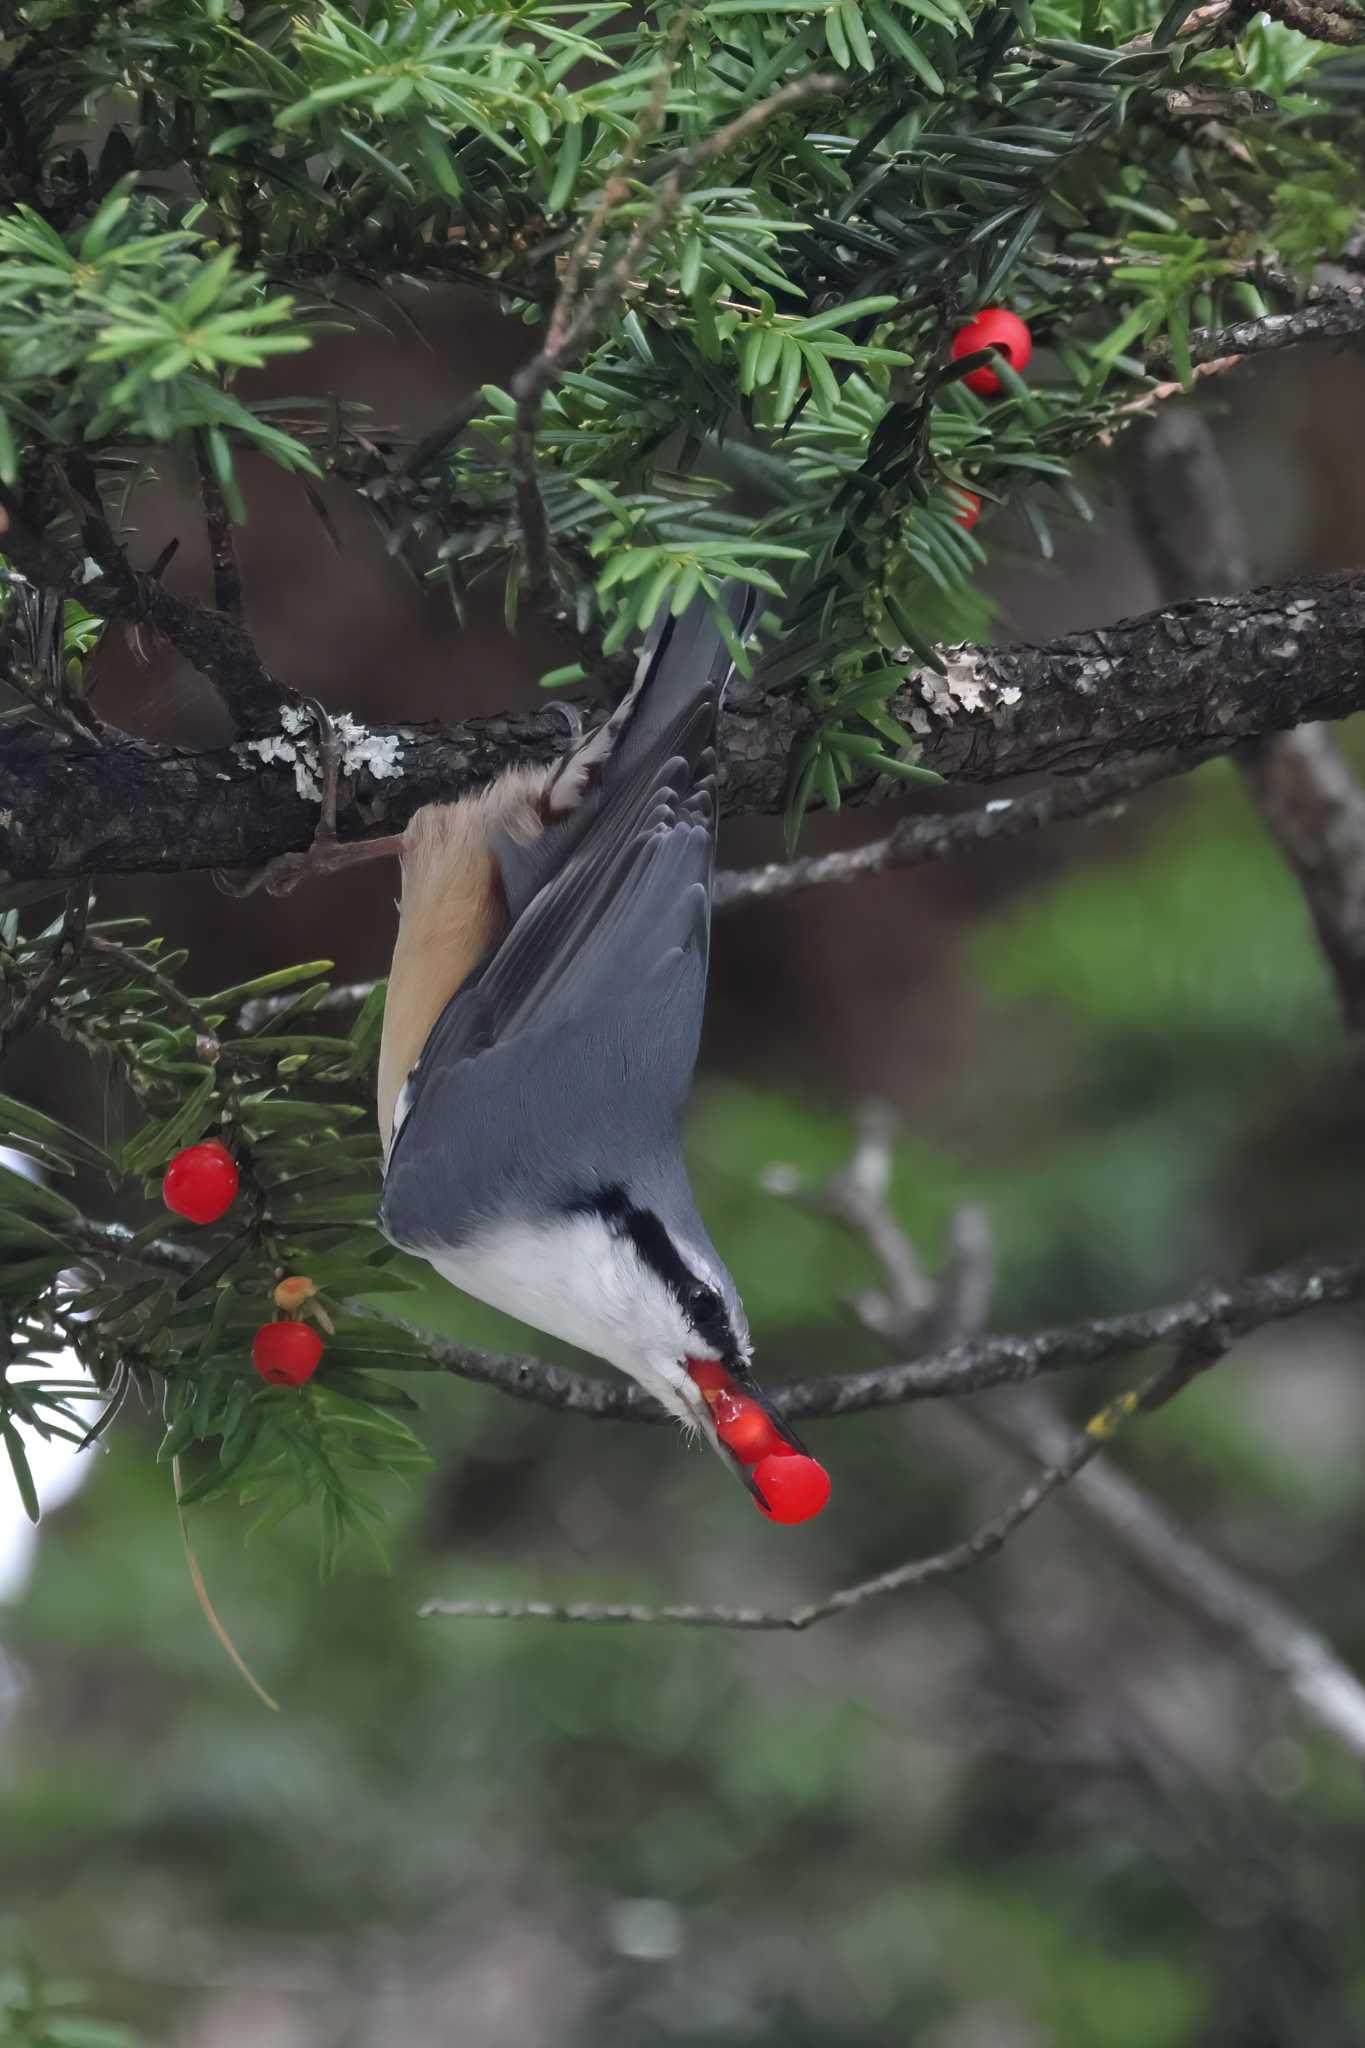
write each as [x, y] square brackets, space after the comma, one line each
[581, 1282]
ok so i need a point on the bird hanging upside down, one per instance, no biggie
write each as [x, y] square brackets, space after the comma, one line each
[540, 1033]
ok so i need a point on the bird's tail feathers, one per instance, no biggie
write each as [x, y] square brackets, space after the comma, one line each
[683, 661]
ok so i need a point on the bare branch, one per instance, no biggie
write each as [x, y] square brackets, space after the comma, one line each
[1306, 791]
[998, 1361]
[1287, 1648]
[1313, 803]
[944, 1564]
[917, 841]
[1215, 1314]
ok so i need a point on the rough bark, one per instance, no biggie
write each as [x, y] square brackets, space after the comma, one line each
[1191, 679]
[1332, 316]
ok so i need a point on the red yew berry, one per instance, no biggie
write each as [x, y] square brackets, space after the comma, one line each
[969, 507]
[744, 1429]
[793, 1488]
[709, 1374]
[286, 1354]
[201, 1182]
[993, 327]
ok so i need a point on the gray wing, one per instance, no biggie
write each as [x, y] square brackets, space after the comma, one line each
[573, 1047]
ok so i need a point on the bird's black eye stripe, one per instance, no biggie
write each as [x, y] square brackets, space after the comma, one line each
[703, 1306]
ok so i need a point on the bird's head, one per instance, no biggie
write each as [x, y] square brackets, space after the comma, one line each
[677, 1325]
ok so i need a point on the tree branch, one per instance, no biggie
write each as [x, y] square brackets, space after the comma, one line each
[1215, 1314]
[1305, 789]
[1332, 313]
[1190, 680]
[227, 576]
[857, 1198]
[944, 1564]
[1276, 1639]
[1324, 23]
[1310, 798]
[218, 646]
[917, 841]
[33, 1003]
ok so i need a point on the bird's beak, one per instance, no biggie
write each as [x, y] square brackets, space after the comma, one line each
[701, 1394]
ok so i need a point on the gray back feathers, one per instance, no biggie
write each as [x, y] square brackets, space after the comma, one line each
[563, 1064]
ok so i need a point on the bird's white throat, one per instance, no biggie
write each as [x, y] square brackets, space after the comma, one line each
[577, 1279]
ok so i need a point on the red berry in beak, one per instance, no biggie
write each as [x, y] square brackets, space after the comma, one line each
[710, 1375]
[201, 1182]
[286, 1354]
[744, 1429]
[794, 1488]
[969, 508]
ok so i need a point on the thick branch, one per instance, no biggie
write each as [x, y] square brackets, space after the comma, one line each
[1324, 23]
[1192, 679]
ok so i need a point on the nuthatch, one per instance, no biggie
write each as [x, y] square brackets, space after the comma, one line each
[541, 1030]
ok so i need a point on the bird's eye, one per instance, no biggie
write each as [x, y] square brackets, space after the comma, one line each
[701, 1299]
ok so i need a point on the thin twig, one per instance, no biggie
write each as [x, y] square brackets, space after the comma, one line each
[217, 646]
[207, 1608]
[917, 841]
[617, 186]
[177, 1002]
[1287, 1648]
[32, 1006]
[1332, 314]
[961, 1368]
[924, 1571]
[571, 331]
[1160, 394]
[227, 575]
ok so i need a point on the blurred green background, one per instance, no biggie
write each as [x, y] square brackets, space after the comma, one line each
[1036, 1805]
